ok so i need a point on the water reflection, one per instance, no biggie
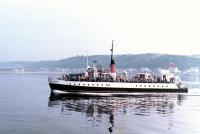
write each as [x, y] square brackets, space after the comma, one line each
[137, 105]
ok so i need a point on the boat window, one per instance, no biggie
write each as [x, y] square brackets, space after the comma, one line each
[101, 84]
[153, 85]
[92, 84]
[144, 85]
[79, 84]
[88, 84]
[83, 84]
[136, 85]
[74, 84]
[97, 84]
[158, 85]
[149, 86]
[166, 86]
[140, 85]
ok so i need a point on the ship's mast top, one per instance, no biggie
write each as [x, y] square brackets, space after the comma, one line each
[112, 60]
[112, 65]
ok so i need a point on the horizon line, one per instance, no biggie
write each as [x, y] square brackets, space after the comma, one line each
[82, 55]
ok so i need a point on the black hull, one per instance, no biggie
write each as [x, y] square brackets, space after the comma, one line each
[72, 88]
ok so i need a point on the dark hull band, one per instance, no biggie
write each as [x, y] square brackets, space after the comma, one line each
[72, 88]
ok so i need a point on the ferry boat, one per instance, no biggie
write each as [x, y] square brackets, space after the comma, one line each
[97, 80]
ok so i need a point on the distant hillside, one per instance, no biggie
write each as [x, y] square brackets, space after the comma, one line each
[122, 61]
[196, 56]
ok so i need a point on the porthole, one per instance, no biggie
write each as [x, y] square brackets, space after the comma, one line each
[144, 85]
[101, 84]
[135, 85]
[88, 84]
[153, 85]
[158, 85]
[97, 84]
[74, 84]
[140, 85]
[149, 86]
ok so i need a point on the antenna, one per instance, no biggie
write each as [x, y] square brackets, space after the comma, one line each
[112, 49]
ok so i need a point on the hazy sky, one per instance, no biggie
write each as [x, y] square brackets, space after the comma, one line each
[56, 29]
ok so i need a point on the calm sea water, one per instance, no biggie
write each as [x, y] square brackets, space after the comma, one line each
[26, 107]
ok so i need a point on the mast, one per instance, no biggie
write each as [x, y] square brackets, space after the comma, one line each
[112, 60]
[112, 63]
